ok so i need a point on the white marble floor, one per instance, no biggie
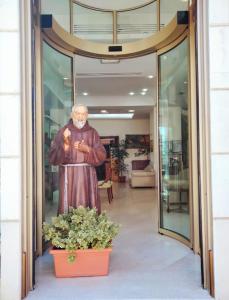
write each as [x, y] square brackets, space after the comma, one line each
[144, 264]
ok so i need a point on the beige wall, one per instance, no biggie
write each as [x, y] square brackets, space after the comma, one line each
[10, 150]
[121, 128]
[219, 105]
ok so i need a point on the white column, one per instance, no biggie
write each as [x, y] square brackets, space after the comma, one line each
[10, 150]
[219, 103]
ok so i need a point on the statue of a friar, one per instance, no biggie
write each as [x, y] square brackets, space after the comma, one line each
[77, 149]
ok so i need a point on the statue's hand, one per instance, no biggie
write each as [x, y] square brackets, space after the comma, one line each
[76, 145]
[83, 147]
[67, 133]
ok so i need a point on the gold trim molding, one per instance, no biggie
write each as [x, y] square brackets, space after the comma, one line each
[175, 236]
[98, 50]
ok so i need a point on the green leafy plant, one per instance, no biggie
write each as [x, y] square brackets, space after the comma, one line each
[120, 153]
[80, 228]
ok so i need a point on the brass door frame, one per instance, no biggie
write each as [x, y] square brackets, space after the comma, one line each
[39, 134]
[26, 149]
[194, 243]
[84, 47]
[205, 144]
[161, 230]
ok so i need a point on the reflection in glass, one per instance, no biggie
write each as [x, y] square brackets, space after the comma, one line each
[174, 140]
[60, 9]
[57, 102]
[92, 24]
[169, 8]
[137, 24]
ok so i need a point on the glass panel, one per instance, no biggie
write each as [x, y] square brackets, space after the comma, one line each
[137, 24]
[174, 140]
[60, 9]
[92, 25]
[168, 10]
[58, 99]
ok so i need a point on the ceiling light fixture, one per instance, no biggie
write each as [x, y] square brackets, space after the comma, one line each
[131, 110]
[150, 76]
[109, 61]
[65, 78]
[85, 93]
[131, 93]
[144, 90]
[103, 111]
[111, 116]
[143, 93]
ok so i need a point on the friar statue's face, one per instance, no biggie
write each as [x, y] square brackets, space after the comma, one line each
[79, 116]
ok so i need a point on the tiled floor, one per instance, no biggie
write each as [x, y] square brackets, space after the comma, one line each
[144, 264]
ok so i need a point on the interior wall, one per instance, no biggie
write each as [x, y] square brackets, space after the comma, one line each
[121, 128]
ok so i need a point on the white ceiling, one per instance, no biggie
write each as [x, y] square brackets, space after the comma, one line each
[144, 65]
[111, 84]
[141, 112]
[115, 86]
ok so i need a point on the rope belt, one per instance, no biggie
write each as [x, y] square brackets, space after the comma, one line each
[66, 181]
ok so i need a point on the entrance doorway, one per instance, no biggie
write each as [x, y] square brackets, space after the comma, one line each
[110, 89]
[171, 203]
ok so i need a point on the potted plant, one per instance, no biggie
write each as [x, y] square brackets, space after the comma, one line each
[119, 153]
[81, 241]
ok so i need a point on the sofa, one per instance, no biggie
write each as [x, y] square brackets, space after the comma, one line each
[142, 174]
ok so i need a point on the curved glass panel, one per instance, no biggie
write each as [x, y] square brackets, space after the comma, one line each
[57, 102]
[174, 140]
[60, 9]
[137, 24]
[92, 25]
[168, 10]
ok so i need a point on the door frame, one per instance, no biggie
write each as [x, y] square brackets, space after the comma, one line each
[194, 137]
[161, 230]
[40, 195]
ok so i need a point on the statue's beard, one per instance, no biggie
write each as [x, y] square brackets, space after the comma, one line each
[79, 124]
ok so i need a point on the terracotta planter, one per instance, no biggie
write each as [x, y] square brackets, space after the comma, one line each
[89, 262]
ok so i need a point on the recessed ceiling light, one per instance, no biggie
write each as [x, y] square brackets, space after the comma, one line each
[144, 90]
[103, 111]
[65, 78]
[111, 116]
[85, 93]
[131, 110]
[131, 93]
[150, 76]
[143, 93]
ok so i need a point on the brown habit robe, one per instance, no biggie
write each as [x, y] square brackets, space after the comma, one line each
[78, 184]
